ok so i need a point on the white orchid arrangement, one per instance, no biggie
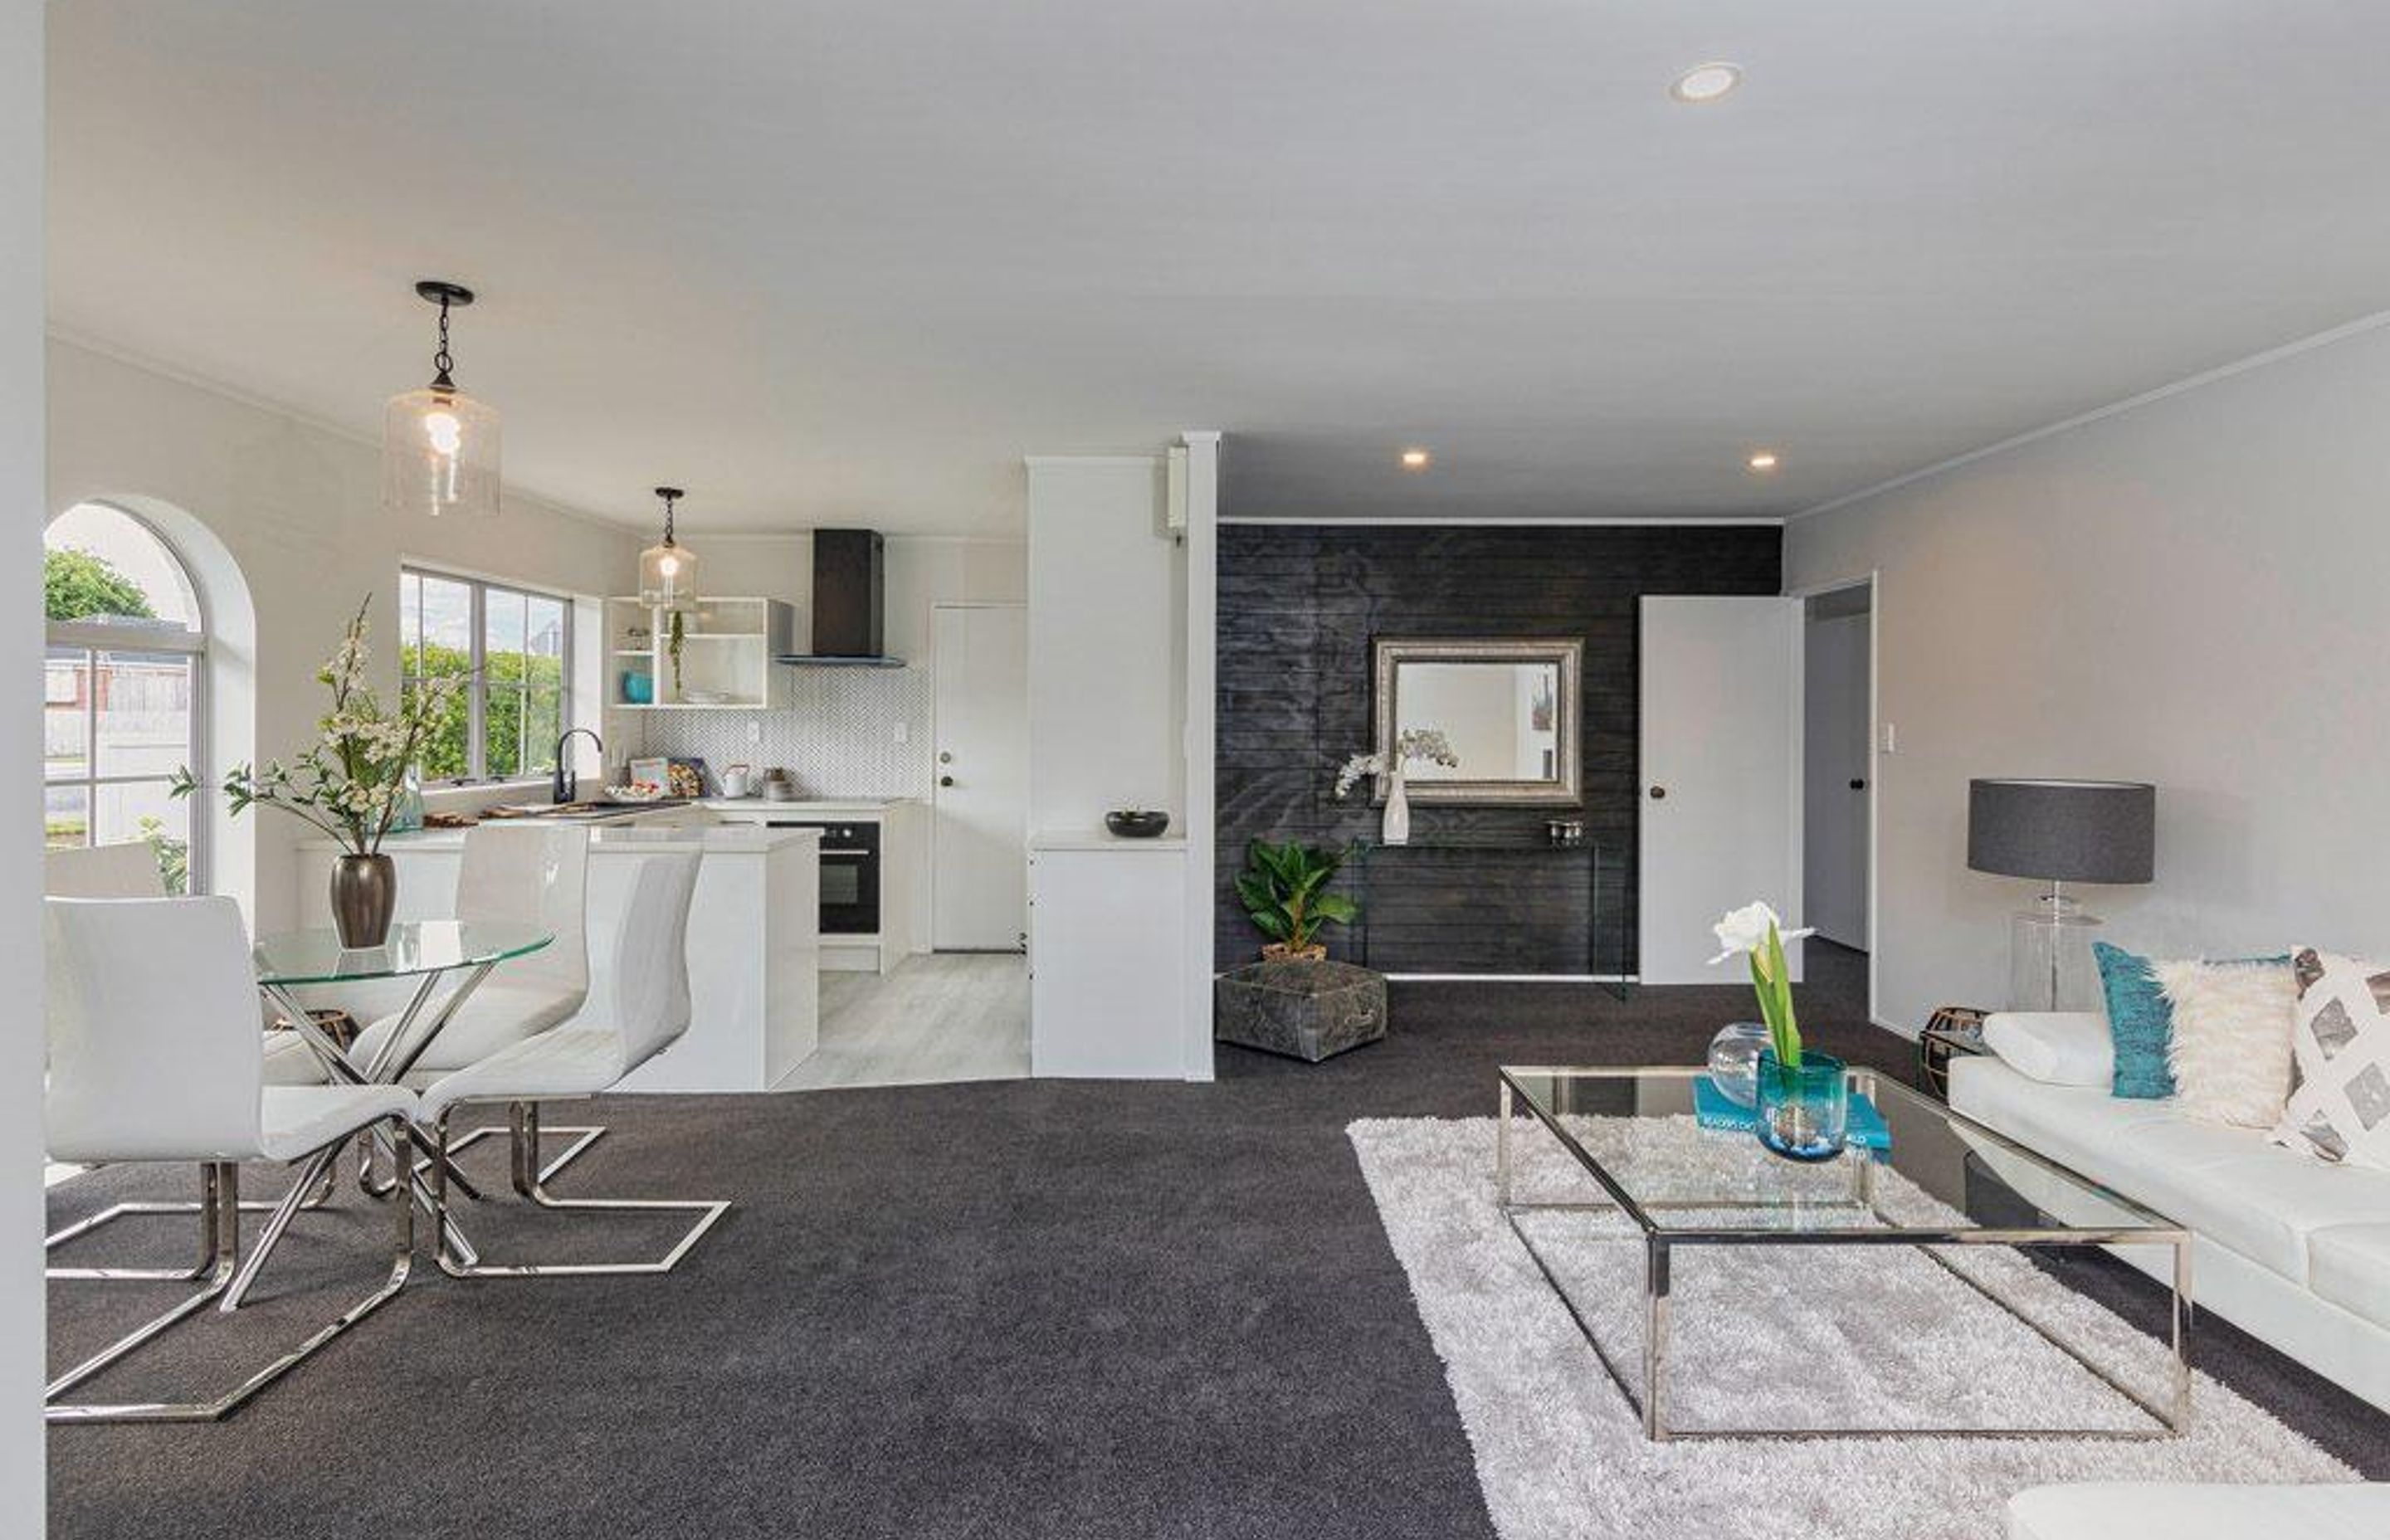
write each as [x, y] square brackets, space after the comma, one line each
[1757, 932]
[348, 782]
[1413, 745]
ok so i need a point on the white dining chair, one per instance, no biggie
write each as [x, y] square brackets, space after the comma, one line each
[130, 869]
[155, 1056]
[522, 874]
[639, 1009]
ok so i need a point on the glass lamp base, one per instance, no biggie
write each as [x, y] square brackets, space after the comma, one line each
[2051, 966]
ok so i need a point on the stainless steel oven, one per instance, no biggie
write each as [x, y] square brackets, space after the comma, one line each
[850, 875]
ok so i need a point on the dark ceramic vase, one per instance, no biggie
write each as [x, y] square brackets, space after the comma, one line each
[365, 891]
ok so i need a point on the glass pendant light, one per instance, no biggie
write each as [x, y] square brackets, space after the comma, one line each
[438, 445]
[667, 571]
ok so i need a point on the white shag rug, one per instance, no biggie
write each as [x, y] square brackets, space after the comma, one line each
[1876, 1336]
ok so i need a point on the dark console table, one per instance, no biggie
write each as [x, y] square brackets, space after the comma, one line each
[1605, 943]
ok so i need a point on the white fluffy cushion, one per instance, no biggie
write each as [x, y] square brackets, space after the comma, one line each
[2230, 1053]
[2339, 1103]
[2056, 1047]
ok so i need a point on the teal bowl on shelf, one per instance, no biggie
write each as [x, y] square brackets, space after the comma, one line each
[638, 690]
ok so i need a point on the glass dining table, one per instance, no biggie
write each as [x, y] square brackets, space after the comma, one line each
[454, 953]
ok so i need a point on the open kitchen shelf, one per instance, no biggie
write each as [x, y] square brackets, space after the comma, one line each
[727, 646]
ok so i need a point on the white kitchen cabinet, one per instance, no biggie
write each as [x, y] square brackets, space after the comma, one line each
[1107, 957]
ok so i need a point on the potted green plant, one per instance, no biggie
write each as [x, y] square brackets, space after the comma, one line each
[1294, 1001]
[1284, 888]
[349, 781]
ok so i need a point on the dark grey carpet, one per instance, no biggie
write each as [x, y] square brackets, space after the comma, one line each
[1022, 1309]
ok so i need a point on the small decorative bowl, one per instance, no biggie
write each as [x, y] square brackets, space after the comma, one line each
[1135, 824]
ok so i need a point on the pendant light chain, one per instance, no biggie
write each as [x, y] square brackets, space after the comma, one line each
[441, 362]
[670, 498]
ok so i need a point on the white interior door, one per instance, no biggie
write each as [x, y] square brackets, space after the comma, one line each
[1721, 803]
[978, 882]
[1835, 779]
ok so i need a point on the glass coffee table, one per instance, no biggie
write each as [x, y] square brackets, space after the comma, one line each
[1946, 1188]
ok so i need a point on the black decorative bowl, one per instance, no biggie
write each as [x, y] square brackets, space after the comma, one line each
[1137, 825]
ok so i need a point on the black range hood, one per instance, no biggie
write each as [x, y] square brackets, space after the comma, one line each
[849, 607]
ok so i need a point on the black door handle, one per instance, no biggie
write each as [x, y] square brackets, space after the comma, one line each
[1659, 793]
[945, 780]
[1859, 785]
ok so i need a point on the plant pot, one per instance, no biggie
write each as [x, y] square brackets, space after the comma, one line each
[1805, 1109]
[1306, 1010]
[365, 891]
[1278, 951]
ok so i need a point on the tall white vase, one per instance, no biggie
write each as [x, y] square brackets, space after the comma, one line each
[1396, 828]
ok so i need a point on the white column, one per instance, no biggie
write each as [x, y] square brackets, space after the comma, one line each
[24, 493]
[1202, 603]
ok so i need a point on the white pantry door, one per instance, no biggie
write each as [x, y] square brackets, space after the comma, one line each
[1721, 800]
[979, 882]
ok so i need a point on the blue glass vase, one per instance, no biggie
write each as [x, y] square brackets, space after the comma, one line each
[1804, 1109]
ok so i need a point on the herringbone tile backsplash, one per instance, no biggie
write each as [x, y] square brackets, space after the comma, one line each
[837, 738]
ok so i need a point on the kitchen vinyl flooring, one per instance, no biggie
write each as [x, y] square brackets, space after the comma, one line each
[945, 1016]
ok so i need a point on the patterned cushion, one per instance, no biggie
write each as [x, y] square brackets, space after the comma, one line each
[2340, 1104]
[2138, 1022]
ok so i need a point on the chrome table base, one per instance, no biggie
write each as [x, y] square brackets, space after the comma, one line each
[2169, 1415]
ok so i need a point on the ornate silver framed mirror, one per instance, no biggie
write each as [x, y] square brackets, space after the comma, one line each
[1506, 710]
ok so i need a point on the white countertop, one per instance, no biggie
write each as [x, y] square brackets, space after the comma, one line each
[621, 840]
[852, 808]
[1099, 838]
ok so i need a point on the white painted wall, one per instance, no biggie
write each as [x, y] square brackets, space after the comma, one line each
[1106, 642]
[297, 505]
[21, 1296]
[2188, 591]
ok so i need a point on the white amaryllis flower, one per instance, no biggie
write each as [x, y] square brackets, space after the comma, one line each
[1744, 930]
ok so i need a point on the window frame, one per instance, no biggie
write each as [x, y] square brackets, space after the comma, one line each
[95, 639]
[477, 676]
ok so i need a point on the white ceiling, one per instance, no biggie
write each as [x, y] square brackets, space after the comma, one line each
[846, 262]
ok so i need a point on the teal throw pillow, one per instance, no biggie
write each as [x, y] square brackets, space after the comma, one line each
[2140, 1024]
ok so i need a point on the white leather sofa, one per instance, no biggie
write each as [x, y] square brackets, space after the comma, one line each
[2154, 1510]
[2292, 1250]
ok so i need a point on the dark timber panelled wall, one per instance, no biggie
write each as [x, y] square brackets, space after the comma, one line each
[1299, 607]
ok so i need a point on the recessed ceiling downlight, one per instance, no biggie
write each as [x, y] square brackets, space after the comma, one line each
[1417, 460]
[1762, 460]
[1706, 82]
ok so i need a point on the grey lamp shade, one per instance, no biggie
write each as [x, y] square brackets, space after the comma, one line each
[2063, 831]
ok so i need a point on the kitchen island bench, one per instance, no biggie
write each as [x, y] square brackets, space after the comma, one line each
[754, 948]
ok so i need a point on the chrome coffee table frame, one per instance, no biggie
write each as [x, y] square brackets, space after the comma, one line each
[1870, 1226]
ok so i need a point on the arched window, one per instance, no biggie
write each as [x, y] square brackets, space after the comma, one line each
[124, 696]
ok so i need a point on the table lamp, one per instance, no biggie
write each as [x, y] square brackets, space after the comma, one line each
[2059, 831]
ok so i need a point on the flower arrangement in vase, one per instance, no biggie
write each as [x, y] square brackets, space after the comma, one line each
[1412, 746]
[1801, 1095]
[351, 782]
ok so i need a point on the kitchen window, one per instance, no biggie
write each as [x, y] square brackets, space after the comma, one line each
[514, 649]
